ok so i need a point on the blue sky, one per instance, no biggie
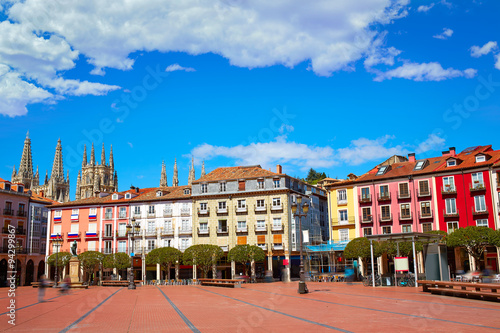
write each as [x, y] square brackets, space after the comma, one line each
[338, 87]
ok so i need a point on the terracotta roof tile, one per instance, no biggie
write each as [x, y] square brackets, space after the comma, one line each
[238, 172]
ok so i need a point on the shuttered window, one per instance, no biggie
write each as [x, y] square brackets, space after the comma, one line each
[261, 239]
[241, 185]
[242, 240]
[277, 239]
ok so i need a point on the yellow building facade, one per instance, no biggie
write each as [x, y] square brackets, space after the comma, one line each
[343, 209]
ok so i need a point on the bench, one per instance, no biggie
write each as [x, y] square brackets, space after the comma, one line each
[37, 284]
[228, 283]
[484, 291]
[118, 283]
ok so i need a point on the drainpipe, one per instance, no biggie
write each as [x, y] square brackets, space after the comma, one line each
[465, 198]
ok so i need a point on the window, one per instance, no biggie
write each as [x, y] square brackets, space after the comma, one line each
[167, 209]
[114, 197]
[277, 223]
[451, 163]
[122, 246]
[451, 207]
[449, 183]
[386, 230]
[57, 213]
[276, 202]
[151, 227]
[426, 227]
[108, 230]
[367, 231]
[186, 208]
[406, 228]
[151, 244]
[222, 206]
[92, 228]
[343, 216]
[56, 230]
[123, 213]
[167, 242]
[159, 193]
[222, 225]
[204, 188]
[423, 187]
[482, 223]
[405, 211]
[187, 191]
[203, 226]
[276, 183]
[241, 185]
[344, 235]
[480, 158]
[203, 206]
[260, 225]
[167, 225]
[127, 196]
[425, 208]
[479, 203]
[108, 213]
[242, 225]
[137, 210]
[222, 186]
[367, 214]
[477, 180]
[365, 193]
[260, 184]
[382, 170]
[74, 211]
[92, 213]
[384, 191]
[403, 190]
[386, 212]
[122, 229]
[242, 204]
[151, 209]
[452, 226]
[342, 196]
[419, 165]
[185, 225]
[184, 244]
[261, 203]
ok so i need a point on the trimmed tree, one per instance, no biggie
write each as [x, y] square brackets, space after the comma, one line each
[117, 260]
[89, 260]
[246, 254]
[63, 259]
[165, 257]
[203, 256]
[474, 240]
[360, 248]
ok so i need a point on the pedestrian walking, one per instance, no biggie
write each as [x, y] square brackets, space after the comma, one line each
[41, 288]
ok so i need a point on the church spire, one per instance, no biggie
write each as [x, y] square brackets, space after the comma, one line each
[14, 173]
[103, 155]
[92, 155]
[57, 166]
[203, 169]
[26, 166]
[175, 178]
[192, 176]
[163, 179]
[78, 180]
[111, 161]
[116, 181]
[46, 181]
[84, 161]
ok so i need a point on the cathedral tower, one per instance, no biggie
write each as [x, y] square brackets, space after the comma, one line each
[95, 178]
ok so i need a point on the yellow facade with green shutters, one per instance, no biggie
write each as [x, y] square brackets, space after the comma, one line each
[343, 207]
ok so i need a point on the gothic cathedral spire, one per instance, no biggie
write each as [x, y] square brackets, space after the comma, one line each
[84, 161]
[192, 176]
[92, 155]
[163, 179]
[175, 178]
[103, 155]
[111, 161]
[57, 166]
[203, 169]
[25, 173]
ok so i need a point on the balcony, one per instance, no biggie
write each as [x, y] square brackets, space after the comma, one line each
[222, 231]
[241, 230]
[278, 227]
[73, 235]
[137, 214]
[122, 216]
[477, 187]
[425, 193]
[262, 246]
[108, 216]
[8, 211]
[385, 217]
[480, 212]
[221, 210]
[448, 189]
[277, 207]
[425, 215]
[261, 228]
[365, 198]
[405, 216]
[337, 221]
[341, 202]
[167, 232]
[366, 219]
[185, 212]
[204, 231]
[167, 212]
[107, 235]
[121, 234]
[204, 212]
[404, 195]
[151, 214]
[185, 231]
[89, 235]
[278, 246]
[260, 209]
[22, 213]
[450, 214]
[151, 232]
[241, 209]
[384, 196]
[107, 251]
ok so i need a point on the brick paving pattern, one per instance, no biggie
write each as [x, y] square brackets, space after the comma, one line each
[274, 307]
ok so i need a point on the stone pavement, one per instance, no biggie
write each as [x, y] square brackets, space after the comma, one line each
[274, 307]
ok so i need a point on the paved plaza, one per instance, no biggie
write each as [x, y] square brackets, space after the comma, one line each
[274, 307]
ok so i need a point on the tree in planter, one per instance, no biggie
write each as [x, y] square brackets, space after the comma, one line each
[165, 257]
[246, 254]
[63, 259]
[360, 248]
[474, 240]
[89, 260]
[116, 260]
[203, 256]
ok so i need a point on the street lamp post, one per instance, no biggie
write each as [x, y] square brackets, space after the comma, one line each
[133, 229]
[57, 242]
[296, 210]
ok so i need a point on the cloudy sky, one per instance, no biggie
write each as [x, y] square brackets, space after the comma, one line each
[338, 86]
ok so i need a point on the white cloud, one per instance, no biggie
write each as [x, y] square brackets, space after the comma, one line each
[130, 144]
[445, 34]
[476, 51]
[363, 150]
[497, 63]
[433, 142]
[432, 71]
[330, 34]
[424, 8]
[177, 67]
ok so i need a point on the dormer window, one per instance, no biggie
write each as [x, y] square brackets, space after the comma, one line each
[420, 165]
[20, 188]
[480, 158]
[383, 169]
[159, 193]
[114, 197]
[187, 191]
[451, 163]
[127, 196]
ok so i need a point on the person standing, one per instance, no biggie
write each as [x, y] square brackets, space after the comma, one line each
[41, 288]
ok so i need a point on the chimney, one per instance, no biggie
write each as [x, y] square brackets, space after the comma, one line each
[411, 157]
[452, 151]
[136, 190]
[279, 169]
[445, 153]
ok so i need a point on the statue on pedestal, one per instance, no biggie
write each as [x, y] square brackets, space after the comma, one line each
[73, 248]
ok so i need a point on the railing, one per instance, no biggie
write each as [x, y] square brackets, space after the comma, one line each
[22, 213]
[403, 195]
[107, 235]
[241, 209]
[278, 246]
[107, 251]
[425, 215]
[185, 211]
[448, 189]
[277, 207]
[424, 193]
[366, 219]
[477, 187]
[184, 231]
[350, 220]
[167, 212]
[150, 232]
[108, 216]
[480, 212]
[277, 227]
[262, 246]
[151, 214]
[137, 214]
[94, 234]
[341, 202]
[77, 236]
[384, 196]
[385, 217]
[8, 211]
[260, 208]
[204, 211]
[404, 216]
[221, 210]
[450, 214]
[261, 229]
[365, 198]
[241, 230]
[121, 233]
[122, 250]
[122, 216]
[222, 231]
[167, 232]
[204, 231]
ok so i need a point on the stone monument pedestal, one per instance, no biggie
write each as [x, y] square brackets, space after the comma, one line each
[74, 270]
